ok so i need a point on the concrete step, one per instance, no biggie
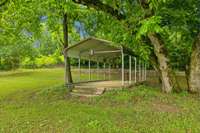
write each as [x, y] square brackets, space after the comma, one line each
[83, 95]
[84, 90]
[84, 86]
[89, 92]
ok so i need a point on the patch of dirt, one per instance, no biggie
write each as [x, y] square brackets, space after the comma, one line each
[83, 99]
[165, 107]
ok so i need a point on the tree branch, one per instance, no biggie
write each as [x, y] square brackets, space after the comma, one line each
[98, 5]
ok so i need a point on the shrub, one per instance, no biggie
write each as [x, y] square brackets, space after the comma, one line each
[28, 63]
[42, 61]
[45, 61]
[9, 63]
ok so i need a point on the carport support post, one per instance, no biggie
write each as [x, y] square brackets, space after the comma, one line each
[145, 72]
[89, 70]
[79, 67]
[139, 71]
[122, 67]
[109, 72]
[135, 69]
[142, 71]
[97, 69]
[130, 72]
[104, 66]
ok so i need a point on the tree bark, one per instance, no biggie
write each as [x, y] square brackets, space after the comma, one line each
[154, 63]
[167, 76]
[187, 73]
[68, 76]
[194, 68]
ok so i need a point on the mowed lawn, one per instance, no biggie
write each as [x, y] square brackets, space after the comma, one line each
[29, 79]
[44, 107]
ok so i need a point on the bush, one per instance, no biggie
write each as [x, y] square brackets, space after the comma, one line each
[45, 61]
[9, 63]
[42, 61]
[28, 63]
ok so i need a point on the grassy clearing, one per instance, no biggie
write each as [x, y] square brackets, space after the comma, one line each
[50, 109]
[28, 79]
[138, 110]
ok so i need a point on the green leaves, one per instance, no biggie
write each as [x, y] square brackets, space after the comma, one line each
[176, 21]
[156, 4]
[151, 24]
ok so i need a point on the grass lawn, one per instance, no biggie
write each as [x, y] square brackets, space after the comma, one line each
[28, 79]
[25, 108]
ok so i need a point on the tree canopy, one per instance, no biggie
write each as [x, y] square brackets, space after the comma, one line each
[33, 28]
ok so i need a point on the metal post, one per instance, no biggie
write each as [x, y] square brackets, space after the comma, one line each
[130, 71]
[139, 71]
[79, 67]
[122, 68]
[145, 72]
[104, 66]
[89, 70]
[135, 69]
[109, 72]
[97, 70]
[142, 71]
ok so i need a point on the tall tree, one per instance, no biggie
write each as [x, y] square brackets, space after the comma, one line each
[68, 76]
[189, 20]
[194, 72]
[158, 45]
[29, 16]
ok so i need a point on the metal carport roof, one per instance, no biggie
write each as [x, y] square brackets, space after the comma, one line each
[96, 49]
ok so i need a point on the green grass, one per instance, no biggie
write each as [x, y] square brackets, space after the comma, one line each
[138, 110]
[28, 79]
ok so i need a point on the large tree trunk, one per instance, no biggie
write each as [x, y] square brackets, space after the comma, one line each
[154, 63]
[68, 76]
[166, 75]
[194, 68]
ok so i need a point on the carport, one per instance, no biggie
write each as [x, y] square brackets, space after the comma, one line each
[105, 52]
